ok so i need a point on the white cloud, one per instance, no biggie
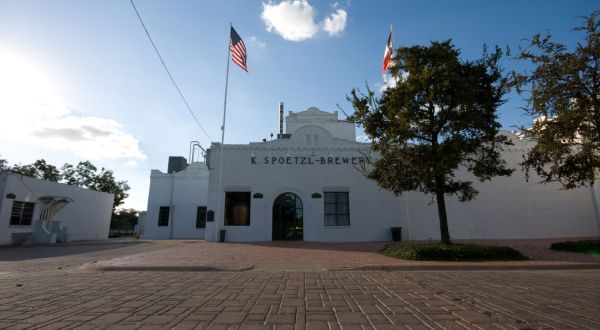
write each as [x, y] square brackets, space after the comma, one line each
[254, 42]
[388, 82]
[87, 137]
[295, 20]
[335, 23]
[34, 114]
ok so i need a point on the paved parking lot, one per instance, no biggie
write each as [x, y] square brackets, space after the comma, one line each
[62, 288]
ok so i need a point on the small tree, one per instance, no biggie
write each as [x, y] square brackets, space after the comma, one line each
[440, 117]
[563, 93]
[3, 164]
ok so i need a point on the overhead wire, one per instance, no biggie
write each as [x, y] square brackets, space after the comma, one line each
[169, 72]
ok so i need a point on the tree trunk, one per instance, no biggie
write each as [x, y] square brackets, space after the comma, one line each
[441, 204]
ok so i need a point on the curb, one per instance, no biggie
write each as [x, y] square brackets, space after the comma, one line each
[168, 269]
[467, 267]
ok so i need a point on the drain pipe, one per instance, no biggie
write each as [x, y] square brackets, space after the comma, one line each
[595, 202]
[407, 216]
[171, 207]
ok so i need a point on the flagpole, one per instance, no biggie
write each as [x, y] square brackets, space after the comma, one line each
[219, 181]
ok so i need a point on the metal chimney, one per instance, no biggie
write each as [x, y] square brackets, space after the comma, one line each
[280, 117]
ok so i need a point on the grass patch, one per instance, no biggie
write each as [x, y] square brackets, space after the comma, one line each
[590, 247]
[452, 252]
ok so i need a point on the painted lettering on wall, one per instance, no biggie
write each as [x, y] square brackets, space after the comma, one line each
[307, 160]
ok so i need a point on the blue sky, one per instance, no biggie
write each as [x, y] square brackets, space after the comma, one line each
[79, 79]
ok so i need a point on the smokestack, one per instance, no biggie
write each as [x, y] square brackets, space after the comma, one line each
[280, 117]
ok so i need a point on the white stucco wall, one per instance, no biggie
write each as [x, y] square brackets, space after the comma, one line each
[189, 190]
[506, 207]
[87, 217]
[372, 210]
[340, 129]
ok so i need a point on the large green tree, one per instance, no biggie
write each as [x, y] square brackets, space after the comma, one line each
[86, 175]
[563, 94]
[39, 169]
[440, 116]
[124, 219]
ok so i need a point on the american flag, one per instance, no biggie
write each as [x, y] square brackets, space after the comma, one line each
[238, 50]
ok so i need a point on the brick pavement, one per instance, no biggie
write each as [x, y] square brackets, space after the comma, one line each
[36, 294]
[303, 256]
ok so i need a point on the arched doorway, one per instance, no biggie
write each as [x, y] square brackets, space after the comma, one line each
[288, 217]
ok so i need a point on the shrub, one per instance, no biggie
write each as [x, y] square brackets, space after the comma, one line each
[452, 252]
[590, 247]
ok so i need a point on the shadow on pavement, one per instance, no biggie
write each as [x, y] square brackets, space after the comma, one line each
[350, 247]
[19, 253]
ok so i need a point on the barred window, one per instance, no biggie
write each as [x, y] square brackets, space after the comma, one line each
[237, 208]
[337, 209]
[21, 213]
[201, 217]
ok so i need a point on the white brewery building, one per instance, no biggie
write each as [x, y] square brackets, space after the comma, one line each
[307, 185]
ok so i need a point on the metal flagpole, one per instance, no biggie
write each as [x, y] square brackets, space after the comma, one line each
[219, 209]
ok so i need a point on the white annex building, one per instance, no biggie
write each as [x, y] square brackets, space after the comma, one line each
[177, 202]
[306, 185]
[38, 211]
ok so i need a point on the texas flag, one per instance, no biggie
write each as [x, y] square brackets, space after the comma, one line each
[387, 55]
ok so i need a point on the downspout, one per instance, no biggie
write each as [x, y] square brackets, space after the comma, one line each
[172, 208]
[407, 217]
[595, 202]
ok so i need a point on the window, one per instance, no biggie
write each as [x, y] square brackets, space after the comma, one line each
[337, 209]
[21, 213]
[237, 208]
[201, 217]
[163, 216]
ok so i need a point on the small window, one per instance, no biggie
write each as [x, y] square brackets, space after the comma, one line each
[201, 217]
[237, 208]
[337, 209]
[163, 216]
[21, 213]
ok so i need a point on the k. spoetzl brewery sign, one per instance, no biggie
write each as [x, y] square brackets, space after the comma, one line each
[307, 160]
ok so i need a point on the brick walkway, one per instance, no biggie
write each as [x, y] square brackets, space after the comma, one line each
[56, 292]
[315, 256]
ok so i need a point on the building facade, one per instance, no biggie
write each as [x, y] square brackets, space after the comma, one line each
[177, 202]
[308, 185]
[38, 211]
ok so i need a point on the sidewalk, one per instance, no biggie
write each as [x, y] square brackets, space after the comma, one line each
[317, 256]
[285, 287]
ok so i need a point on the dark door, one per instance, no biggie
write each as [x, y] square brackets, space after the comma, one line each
[287, 217]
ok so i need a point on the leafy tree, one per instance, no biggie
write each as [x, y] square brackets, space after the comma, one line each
[82, 175]
[39, 169]
[440, 117]
[86, 175]
[124, 219]
[563, 93]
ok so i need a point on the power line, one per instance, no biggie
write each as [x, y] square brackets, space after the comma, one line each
[169, 73]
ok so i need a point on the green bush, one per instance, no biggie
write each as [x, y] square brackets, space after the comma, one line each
[452, 252]
[589, 247]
